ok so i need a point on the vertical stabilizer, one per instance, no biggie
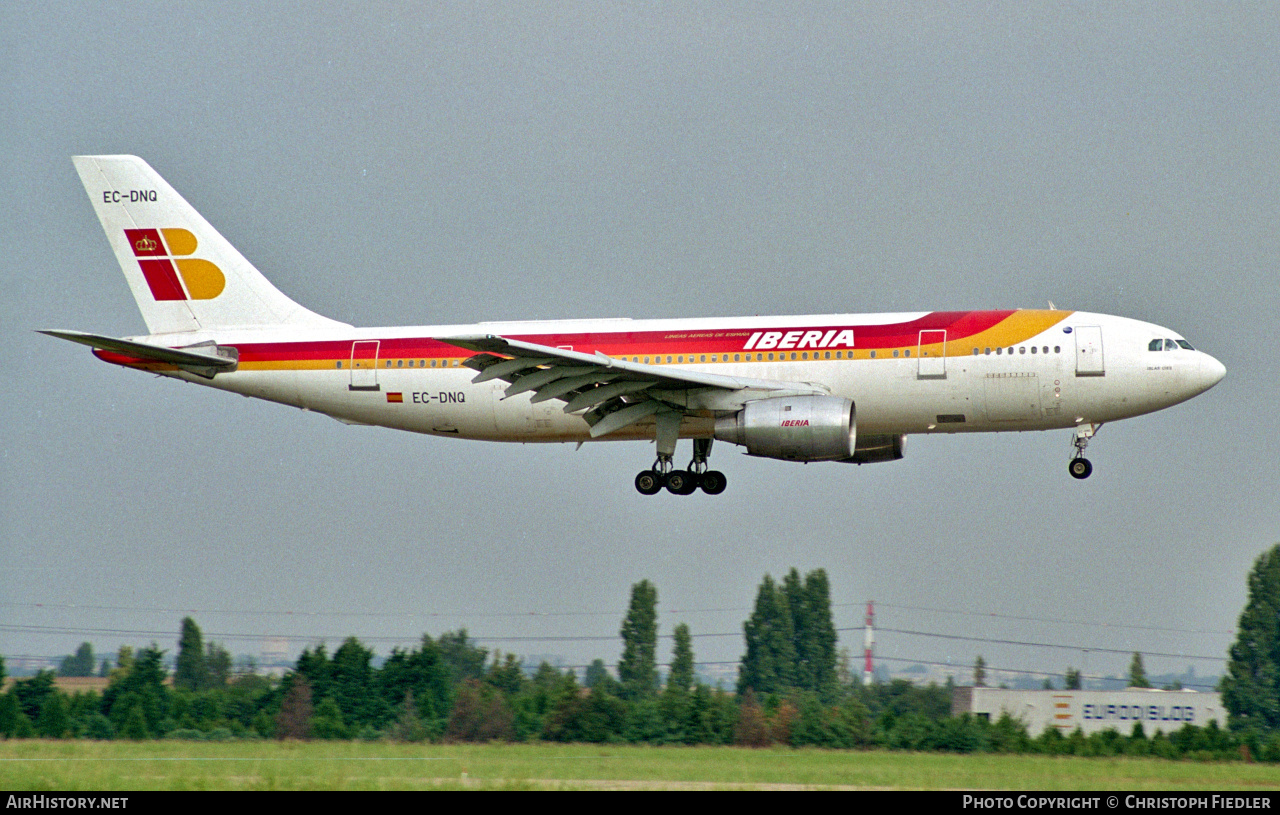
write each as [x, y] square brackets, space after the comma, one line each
[183, 274]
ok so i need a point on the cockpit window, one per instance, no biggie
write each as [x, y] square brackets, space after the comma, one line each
[1170, 345]
[1185, 345]
[1155, 345]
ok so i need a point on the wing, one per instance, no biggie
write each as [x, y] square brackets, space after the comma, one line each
[613, 393]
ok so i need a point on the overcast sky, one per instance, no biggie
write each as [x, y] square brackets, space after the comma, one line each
[387, 164]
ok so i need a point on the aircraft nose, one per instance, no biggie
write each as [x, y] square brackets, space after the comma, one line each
[1209, 373]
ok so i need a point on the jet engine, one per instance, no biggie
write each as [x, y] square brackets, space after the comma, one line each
[794, 428]
[874, 448]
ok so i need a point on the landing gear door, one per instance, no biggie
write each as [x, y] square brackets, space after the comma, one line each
[364, 366]
[932, 353]
[1089, 361]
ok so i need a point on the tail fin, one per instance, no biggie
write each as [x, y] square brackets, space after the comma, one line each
[183, 274]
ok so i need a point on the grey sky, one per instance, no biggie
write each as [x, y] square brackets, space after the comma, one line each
[387, 165]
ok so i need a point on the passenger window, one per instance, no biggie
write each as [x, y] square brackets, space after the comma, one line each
[1033, 349]
[339, 363]
[1057, 349]
[895, 353]
[907, 352]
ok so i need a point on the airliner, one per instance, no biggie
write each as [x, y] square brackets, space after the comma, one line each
[837, 388]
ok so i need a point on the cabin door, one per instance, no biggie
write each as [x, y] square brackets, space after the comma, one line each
[364, 366]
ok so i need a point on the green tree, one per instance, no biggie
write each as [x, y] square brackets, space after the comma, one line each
[328, 722]
[464, 658]
[596, 674]
[676, 703]
[217, 666]
[1251, 687]
[768, 665]
[353, 688]
[189, 671]
[680, 679]
[506, 674]
[1072, 680]
[54, 721]
[791, 639]
[33, 693]
[1137, 674]
[139, 685]
[979, 672]
[9, 713]
[815, 633]
[408, 726]
[426, 674]
[638, 670]
[78, 664]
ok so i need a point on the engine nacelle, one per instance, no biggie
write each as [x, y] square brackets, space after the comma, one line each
[876, 448]
[794, 428]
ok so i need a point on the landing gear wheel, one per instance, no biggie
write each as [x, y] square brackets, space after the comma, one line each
[648, 482]
[1080, 468]
[681, 482]
[713, 482]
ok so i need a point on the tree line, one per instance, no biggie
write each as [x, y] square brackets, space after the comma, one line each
[791, 690]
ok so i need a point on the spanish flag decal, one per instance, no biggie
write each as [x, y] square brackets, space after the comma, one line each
[395, 397]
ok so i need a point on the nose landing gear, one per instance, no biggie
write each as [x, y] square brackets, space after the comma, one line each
[1080, 467]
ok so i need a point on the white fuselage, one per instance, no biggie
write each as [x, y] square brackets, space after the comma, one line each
[1081, 369]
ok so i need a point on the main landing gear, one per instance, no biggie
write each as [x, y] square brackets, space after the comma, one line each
[1080, 466]
[682, 482]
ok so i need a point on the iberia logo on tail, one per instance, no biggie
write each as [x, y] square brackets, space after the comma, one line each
[162, 254]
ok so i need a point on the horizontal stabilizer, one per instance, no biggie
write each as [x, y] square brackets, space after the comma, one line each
[208, 360]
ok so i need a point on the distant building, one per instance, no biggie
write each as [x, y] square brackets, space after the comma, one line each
[1093, 710]
[274, 657]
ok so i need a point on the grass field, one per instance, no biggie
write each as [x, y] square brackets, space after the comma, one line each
[167, 765]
